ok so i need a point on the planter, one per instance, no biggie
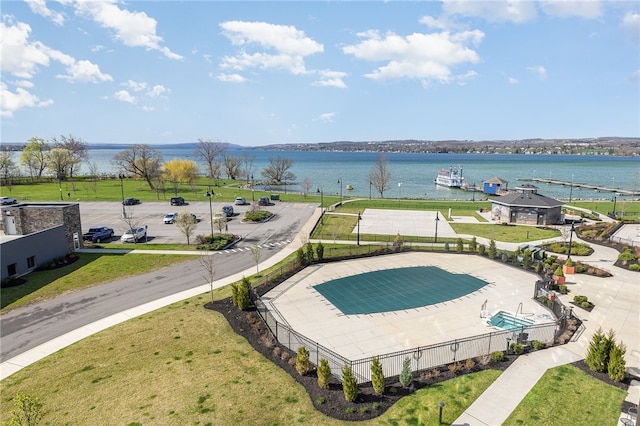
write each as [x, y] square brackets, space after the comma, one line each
[559, 280]
[568, 269]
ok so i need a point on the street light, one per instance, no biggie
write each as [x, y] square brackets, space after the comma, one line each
[437, 220]
[615, 199]
[440, 406]
[321, 205]
[124, 212]
[370, 183]
[210, 194]
[285, 186]
[60, 183]
[359, 219]
[399, 186]
[340, 183]
[253, 194]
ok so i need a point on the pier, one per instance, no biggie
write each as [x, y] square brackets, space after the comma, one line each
[583, 185]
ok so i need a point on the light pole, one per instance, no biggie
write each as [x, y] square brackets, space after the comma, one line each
[440, 406]
[124, 212]
[399, 186]
[437, 220]
[571, 190]
[359, 219]
[321, 205]
[370, 183]
[473, 193]
[285, 187]
[253, 195]
[60, 183]
[571, 238]
[615, 199]
[210, 194]
[340, 183]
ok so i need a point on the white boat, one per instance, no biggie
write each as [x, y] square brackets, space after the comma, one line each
[451, 178]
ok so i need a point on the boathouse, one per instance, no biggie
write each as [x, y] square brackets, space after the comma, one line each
[495, 186]
[527, 207]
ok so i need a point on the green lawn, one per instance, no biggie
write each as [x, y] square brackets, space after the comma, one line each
[565, 395]
[197, 371]
[91, 269]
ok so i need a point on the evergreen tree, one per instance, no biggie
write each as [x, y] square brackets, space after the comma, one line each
[596, 357]
[406, 375]
[240, 294]
[527, 259]
[609, 344]
[309, 252]
[492, 249]
[349, 384]
[300, 256]
[473, 245]
[617, 364]
[303, 366]
[459, 245]
[377, 376]
[320, 251]
[324, 374]
[482, 250]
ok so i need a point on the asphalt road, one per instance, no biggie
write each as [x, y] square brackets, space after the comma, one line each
[28, 327]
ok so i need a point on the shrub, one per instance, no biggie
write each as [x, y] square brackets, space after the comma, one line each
[569, 262]
[406, 375]
[349, 410]
[492, 249]
[446, 246]
[364, 409]
[324, 374]
[497, 356]
[349, 384]
[375, 405]
[473, 245]
[585, 305]
[579, 268]
[459, 245]
[28, 410]
[320, 400]
[469, 364]
[257, 215]
[309, 252]
[558, 272]
[320, 251]
[300, 257]
[597, 353]
[563, 289]
[303, 366]
[454, 367]
[484, 359]
[634, 267]
[627, 255]
[482, 250]
[377, 376]
[617, 364]
[580, 299]
[517, 348]
[505, 256]
[240, 294]
[537, 344]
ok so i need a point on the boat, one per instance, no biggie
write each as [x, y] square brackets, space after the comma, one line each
[451, 178]
[349, 188]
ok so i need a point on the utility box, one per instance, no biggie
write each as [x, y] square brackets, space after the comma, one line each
[275, 197]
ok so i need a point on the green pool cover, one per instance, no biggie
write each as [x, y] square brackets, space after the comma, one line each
[397, 289]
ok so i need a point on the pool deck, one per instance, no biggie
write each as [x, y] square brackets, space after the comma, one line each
[360, 336]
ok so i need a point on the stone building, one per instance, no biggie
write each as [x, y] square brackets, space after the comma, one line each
[34, 233]
[526, 206]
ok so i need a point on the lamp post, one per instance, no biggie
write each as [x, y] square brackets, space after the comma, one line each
[615, 199]
[437, 220]
[122, 176]
[399, 186]
[571, 190]
[210, 194]
[60, 183]
[285, 187]
[253, 195]
[571, 238]
[440, 406]
[370, 183]
[340, 183]
[321, 204]
[359, 219]
[473, 193]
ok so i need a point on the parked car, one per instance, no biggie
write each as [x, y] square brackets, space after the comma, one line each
[227, 210]
[134, 235]
[177, 201]
[98, 234]
[264, 201]
[130, 201]
[240, 201]
[170, 218]
[5, 201]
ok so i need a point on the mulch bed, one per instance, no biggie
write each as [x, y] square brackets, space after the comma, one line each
[331, 402]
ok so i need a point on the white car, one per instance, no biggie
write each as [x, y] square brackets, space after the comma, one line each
[134, 235]
[170, 218]
[240, 201]
[5, 201]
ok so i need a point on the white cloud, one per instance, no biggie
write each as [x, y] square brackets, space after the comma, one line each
[635, 76]
[428, 57]
[330, 78]
[493, 11]
[135, 86]
[85, 72]
[133, 29]
[327, 117]
[39, 7]
[287, 47]
[148, 108]
[538, 70]
[157, 91]
[125, 96]
[512, 80]
[19, 56]
[589, 9]
[631, 25]
[11, 102]
[231, 78]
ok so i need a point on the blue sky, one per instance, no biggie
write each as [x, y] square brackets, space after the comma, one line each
[258, 73]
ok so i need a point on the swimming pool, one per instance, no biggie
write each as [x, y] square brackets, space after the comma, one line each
[507, 321]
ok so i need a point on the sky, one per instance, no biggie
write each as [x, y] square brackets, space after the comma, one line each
[267, 72]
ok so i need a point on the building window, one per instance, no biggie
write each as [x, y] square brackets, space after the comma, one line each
[12, 269]
[31, 262]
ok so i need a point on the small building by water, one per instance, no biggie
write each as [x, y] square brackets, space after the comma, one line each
[495, 186]
[527, 207]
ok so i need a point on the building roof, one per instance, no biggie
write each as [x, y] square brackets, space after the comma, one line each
[527, 199]
[496, 180]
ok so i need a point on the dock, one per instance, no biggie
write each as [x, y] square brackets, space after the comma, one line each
[583, 185]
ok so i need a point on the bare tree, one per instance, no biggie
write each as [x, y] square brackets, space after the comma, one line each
[8, 168]
[141, 160]
[248, 165]
[78, 151]
[380, 175]
[93, 173]
[186, 223]
[231, 166]
[278, 170]
[220, 223]
[306, 186]
[209, 269]
[131, 221]
[58, 162]
[208, 151]
[256, 254]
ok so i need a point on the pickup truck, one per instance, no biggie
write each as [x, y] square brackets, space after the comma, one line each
[98, 234]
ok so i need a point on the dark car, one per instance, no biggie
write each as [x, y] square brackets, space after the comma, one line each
[177, 201]
[264, 201]
[130, 201]
[227, 210]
